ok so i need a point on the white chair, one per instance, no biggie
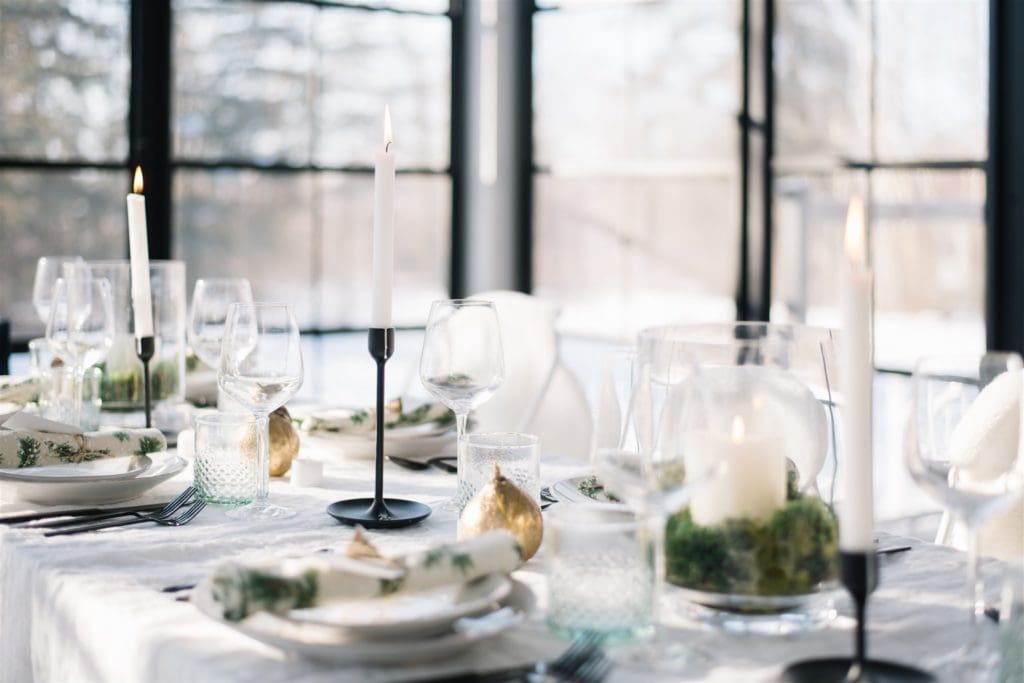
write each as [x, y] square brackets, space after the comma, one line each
[539, 395]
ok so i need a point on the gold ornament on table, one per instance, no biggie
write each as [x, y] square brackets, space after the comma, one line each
[284, 442]
[502, 505]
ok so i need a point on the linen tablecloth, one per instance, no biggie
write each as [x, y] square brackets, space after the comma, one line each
[89, 607]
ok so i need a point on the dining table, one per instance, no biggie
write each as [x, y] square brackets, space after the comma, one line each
[92, 607]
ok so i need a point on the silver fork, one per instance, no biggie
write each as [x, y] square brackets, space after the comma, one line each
[166, 509]
[163, 518]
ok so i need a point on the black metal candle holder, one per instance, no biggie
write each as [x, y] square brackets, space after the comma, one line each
[860, 576]
[379, 512]
[145, 348]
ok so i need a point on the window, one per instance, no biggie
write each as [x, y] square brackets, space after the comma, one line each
[276, 114]
[888, 99]
[636, 188]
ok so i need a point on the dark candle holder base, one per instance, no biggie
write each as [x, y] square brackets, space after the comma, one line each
[860, 576]
[145, 348]
[379, 512]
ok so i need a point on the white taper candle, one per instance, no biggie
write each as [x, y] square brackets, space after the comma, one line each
[383, 230]
[138, 250]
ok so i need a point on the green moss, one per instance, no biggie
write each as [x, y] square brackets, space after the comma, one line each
[126, 387]
[790, 553]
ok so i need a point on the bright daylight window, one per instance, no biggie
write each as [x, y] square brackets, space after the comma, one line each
[276, 108]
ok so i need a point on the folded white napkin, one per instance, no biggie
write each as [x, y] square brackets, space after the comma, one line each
[30, 441]
[243, 589]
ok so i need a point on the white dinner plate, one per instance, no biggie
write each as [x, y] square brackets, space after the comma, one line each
[568, 491]
[402, 445]
[104, 469]
[410, 615]
[163, 467]
[7, 409]
[332, 645]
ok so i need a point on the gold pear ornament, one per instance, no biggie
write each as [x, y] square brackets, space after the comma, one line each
[284, 442]
[503, 505]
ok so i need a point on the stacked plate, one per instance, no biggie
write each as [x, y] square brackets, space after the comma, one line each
[99, 481]
[409, 440]
[399, 629]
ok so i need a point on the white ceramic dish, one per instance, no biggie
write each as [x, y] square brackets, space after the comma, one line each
[410, 615]
[333, 645]
[105, 469]
[75, 492]
[400, 444]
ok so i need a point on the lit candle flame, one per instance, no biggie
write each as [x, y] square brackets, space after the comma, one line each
[854, 245]
[388, 138]
[738, 429]
[137, 182]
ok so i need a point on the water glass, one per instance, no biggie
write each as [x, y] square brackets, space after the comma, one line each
[518, 456]
[226, 458]
[601, 572]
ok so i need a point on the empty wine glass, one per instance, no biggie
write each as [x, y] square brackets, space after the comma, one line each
[964, 449]
[462, 364]
[48, 270]
[261, 368]
[81, 327]
[211, 300]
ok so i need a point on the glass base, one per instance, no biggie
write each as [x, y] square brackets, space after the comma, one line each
[809, 617]
[260, 510]
[663, 652]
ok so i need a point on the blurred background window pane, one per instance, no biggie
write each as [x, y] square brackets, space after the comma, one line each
[305, 87]
[48, 213]
[64, 76]
[636, 201]
[922, 69]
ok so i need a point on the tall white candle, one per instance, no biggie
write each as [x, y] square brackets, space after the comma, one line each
[856, 372]
[383, 230]
[138, 251]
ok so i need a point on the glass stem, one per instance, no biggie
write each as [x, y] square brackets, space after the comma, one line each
[976, 584]
[460, 451]
[262, 459]
[77, 382]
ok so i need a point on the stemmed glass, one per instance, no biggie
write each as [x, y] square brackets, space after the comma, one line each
[81, 327]
[48, 270]
[462, 364]
[261, 368]
[645, 470]
[211, 300]
[964, 448]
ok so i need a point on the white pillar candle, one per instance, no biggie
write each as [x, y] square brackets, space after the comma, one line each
[856, 372]
[383, 230]
[306, 472]
[749, 475]
[138, 251]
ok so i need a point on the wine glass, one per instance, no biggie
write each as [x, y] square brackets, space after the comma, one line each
[462, 364]
[81, 327]
[964, 449]
[211, 300]
[48, 270]
[646, 472]
[261, 368]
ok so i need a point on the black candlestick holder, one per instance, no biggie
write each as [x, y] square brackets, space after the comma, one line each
[145, 347]
[860, 576]
[379, 512]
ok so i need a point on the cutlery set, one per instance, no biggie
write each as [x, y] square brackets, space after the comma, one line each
[178, 512]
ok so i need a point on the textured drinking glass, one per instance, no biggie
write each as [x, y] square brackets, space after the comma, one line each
[261, 368]
[226, 458]
[601, 572]
[518, 456]
[462, 364]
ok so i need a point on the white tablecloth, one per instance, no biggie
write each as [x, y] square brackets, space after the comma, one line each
[89, 607]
